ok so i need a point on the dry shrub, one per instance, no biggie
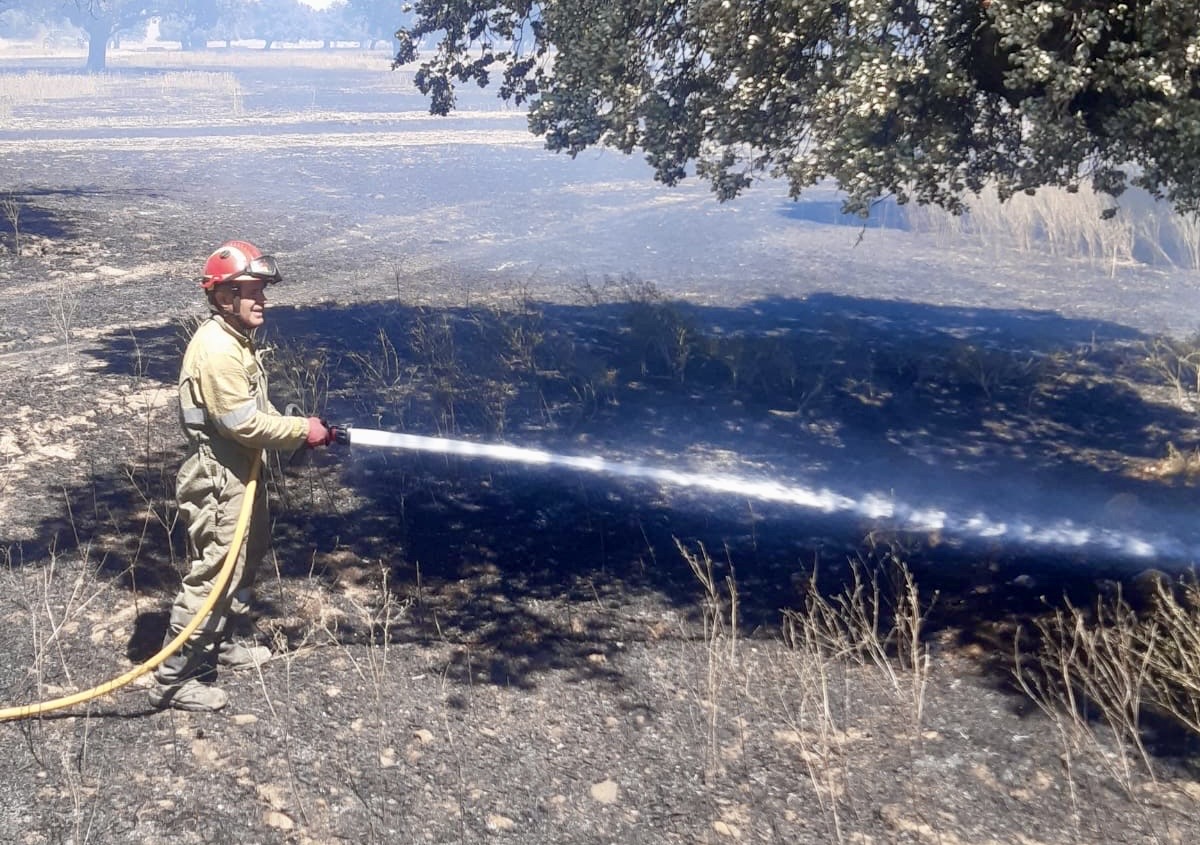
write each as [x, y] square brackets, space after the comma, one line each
[1103, 674]
[1177, 362]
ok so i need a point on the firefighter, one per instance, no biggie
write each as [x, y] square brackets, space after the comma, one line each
[227, 419]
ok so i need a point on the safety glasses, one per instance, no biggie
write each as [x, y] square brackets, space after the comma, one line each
[262, 268]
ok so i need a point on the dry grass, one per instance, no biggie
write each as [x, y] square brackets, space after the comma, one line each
[1186, 229]
[1112, 677]
[719, 615]
[1070, 225]
[241, 57]
[1177, 363]
[22, 90]
[864, 635]
[10, 208]
[38, 86]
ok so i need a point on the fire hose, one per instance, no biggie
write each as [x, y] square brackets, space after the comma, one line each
[218, 591]
[343, 435]
[824, 500]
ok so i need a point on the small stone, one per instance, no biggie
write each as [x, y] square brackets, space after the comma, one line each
[724, 829]
[278, 820]
[497, 823]
[244, 719]
[892, 815]
[205, 751]
[387, 758]
[605, 791]
[423, 735]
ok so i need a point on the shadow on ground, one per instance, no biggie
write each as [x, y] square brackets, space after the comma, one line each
[36, 218]
[885, 214]
[1000, 410]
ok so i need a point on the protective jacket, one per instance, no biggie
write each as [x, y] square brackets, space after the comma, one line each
[223, 398]
[227, 418]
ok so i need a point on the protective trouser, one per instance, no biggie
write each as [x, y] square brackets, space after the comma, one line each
[210, 496]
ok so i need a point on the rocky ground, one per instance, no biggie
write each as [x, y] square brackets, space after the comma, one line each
[475, 651]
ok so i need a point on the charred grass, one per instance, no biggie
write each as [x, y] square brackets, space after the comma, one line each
[473, 652]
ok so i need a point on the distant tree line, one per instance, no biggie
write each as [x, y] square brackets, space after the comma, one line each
[197, 24]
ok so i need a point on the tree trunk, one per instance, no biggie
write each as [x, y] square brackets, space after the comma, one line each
[98, 33]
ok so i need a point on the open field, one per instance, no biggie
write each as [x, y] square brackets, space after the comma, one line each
[478, 651]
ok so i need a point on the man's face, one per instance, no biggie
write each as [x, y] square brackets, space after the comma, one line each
[250, 307]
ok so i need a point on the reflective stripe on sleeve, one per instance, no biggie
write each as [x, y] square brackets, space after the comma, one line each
[238, 415]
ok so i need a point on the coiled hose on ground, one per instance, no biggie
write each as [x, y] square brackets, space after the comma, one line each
[223, 576]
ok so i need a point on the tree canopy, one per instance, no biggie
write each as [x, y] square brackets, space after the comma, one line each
[921, 100]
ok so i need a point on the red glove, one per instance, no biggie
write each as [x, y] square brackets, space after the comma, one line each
[318, 434]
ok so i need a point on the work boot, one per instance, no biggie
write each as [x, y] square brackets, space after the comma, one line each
[233, 655]
[189, 695]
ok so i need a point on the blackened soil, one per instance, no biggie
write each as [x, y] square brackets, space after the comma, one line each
[475, 651]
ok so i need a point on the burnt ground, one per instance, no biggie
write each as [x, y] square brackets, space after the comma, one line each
[475, 651]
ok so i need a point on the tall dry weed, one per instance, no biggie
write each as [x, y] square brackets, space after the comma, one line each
[1104, 674]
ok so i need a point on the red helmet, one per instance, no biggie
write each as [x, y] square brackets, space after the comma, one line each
[237, 261]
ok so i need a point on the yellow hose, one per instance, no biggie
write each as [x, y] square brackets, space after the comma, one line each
[218, 590]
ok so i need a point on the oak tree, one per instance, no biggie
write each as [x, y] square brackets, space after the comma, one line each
[920, 100]
[103, 20]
